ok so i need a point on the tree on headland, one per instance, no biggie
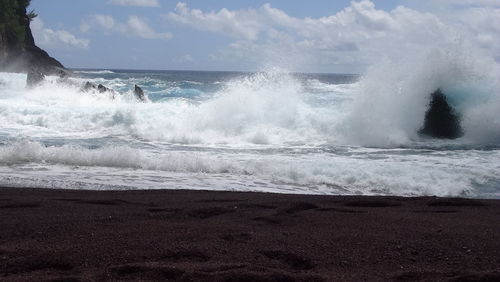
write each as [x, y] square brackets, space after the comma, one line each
[31, 15]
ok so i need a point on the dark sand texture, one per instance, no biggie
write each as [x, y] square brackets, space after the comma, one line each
[62, 235]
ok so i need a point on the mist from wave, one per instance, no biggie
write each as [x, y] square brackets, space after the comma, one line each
[393, 97]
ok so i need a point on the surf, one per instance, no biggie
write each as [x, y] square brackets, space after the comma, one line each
[271, 131]
[391, 103]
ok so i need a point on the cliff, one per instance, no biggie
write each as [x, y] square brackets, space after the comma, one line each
[18, 52]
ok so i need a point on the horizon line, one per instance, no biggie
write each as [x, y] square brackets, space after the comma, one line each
[226, 71]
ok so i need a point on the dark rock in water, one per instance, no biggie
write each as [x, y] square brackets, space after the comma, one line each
[34, 78]
[101, 88]
[63, 78]
[139, 93]
[63, 75]
[88, 86]
[441, 120]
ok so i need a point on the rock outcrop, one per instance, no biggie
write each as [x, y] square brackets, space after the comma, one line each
[18, 52]
[89, 86]
[34, 78]
[101, 88]
[441, 120]
[139, 94]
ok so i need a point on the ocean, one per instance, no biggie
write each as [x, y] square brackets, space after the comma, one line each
[270, 131]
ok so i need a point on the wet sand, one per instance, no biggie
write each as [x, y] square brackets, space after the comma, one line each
[64, 235]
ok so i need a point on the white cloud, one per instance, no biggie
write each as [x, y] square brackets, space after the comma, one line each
[47, 37]
[357, 35]
[140, 28]
[105, 22]
[134, 26]
[483, 25]
[470, 2]
[139, 3]
[244, 23]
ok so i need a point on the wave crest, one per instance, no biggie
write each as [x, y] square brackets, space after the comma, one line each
[390, 105]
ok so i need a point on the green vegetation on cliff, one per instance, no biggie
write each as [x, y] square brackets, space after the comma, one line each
[18, 51]
[14, 19]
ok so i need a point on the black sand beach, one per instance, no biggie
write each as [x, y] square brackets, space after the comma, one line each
[64, 235]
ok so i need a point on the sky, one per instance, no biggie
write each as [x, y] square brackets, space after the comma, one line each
[250, 35]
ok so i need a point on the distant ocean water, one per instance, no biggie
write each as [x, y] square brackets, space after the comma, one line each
[269, 131]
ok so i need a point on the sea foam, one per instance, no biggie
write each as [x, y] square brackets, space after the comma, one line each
[352, 171]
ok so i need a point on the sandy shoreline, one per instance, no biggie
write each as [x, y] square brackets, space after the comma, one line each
[232, 236]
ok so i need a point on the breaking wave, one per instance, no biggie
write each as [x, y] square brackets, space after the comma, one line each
[354, 171]
[94, 71]
[267, 131]
[393, 96]
[385, 108]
